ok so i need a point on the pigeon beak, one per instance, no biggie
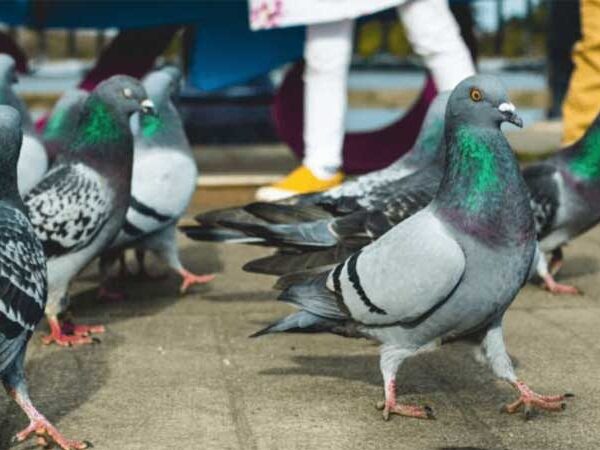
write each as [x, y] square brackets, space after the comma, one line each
[148, 107]
[508, 111]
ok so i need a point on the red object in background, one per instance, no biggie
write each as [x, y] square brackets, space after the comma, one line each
[10, 47]
[364, 151]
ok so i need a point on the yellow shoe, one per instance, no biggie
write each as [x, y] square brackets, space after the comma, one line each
[300, 181]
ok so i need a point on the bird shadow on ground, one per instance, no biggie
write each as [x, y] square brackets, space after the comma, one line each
[243, 296]
[450, 369]
[578, 266]
[462, 448]
[143, 296]
[60, 381]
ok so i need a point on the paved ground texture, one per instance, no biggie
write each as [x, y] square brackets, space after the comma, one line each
[180, 372]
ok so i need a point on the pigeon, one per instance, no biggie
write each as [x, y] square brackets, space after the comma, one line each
[23, 285]
[565, 196]
[359, 194]
[479, 254]
[62, 122]
[164, 180]
[33, 162]
[79, 206]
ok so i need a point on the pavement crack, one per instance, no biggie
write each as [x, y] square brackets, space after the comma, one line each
[235, 400]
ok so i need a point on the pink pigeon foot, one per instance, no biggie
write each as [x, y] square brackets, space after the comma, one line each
[70, 335]
[551, 285]
[530, 400]
[390, 406]
[40, 426]
[190, 279]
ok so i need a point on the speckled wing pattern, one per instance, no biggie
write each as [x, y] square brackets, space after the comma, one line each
[23, 285]
[68, 208]
[541, 180]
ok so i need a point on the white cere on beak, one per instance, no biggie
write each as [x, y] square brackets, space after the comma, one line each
[147, 104]
[506, 107]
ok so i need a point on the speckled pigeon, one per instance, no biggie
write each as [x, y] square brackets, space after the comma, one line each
[33, 162]
[480, 256]
[22, 283]
[164, 180]
[79, 206]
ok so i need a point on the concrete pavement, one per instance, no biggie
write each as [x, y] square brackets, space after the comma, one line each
[180, 372]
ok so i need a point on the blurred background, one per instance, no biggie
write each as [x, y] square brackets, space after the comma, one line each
[230, 116]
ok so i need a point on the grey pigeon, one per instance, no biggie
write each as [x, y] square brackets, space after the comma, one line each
[363, 193]
[22, 283]
[62, 122]
[164, 180]
[479, 254]
[33, 162]
[80, 204]
[565, 196]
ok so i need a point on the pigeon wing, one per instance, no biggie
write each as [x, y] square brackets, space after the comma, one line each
[401, 276]
[22, 283]
[68, 208]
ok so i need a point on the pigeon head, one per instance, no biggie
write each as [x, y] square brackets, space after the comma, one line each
[163, 128]
[105, 115]
[10, 146]
[482, 179]
[124, 94]
[8, 71]
[163, 85]
[481, 100]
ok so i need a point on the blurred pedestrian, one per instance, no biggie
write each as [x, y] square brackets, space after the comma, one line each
[432, 31]
[582, 101]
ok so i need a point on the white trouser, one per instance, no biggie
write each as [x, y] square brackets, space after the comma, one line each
[434, 35]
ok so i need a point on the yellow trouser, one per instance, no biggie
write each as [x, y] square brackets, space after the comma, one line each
[582, 102]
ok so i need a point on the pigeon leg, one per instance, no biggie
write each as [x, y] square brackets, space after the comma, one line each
[59, 336]
[39, 425]
[556, 261]
[143, 272]
[548, 281]
[501, 365]
[530, 400]
[558, 288]
[123, 269]
[190, 279]
[390, 360]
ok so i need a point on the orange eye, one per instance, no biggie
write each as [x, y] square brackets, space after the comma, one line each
[476, 95]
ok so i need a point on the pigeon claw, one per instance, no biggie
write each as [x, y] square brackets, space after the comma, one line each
[67, 334]
[530, 401]
[415, 411]
[46, 434]
[190, 279]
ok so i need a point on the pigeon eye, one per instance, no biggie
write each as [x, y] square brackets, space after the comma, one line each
[127, 93]
[476, 95]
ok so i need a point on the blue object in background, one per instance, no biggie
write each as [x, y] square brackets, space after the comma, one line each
[222, 56]
[225, 51]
